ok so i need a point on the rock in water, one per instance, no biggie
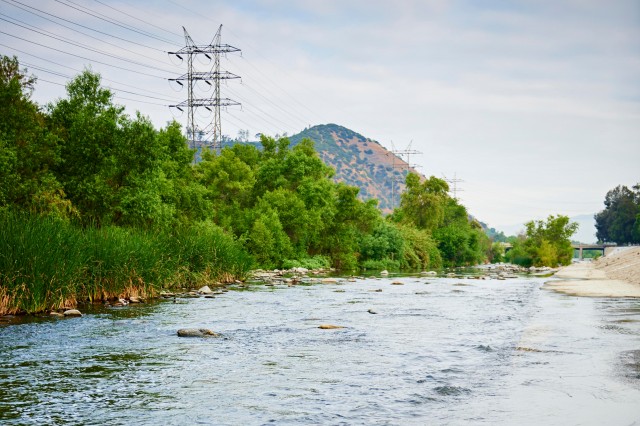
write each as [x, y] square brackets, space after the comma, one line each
[397, 283]
[329, 327]
[197, 332]
[205, 290]
[329, 281]
[72, 313]
[371, 311]
[385, 272]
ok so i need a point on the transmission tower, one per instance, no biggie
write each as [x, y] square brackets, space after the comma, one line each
[213, 77]
[399, 153]
[454, 182]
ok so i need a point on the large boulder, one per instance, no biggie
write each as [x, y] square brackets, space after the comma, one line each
[72, 313]
[197, 332]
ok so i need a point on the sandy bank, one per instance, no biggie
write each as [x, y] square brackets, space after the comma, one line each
[617, 275]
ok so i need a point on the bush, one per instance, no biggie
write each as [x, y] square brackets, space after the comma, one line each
[315, 262]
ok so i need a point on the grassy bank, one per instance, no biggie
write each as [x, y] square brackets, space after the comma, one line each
[49, 264]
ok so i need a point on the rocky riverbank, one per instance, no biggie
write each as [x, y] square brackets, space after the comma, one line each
[616, 275]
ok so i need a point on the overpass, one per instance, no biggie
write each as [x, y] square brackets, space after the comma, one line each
[578, 249]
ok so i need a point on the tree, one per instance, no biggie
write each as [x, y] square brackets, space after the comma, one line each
[422, 203]
[546, 243]
[619, 221]
[28, 151]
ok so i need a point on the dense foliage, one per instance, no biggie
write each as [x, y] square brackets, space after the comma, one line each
[545, 243]
[117, 206]
[619, 222]
[427, 206]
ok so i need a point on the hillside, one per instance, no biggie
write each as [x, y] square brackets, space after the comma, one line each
[360, 162]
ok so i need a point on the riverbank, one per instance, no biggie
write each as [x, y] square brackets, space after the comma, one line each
[616, 275]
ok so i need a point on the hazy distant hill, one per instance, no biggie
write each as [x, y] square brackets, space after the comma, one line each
[359, 161]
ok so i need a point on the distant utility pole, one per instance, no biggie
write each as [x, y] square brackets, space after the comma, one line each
[399, 153]
[454, 182]
[213, 77]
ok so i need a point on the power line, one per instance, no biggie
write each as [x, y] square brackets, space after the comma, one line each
[85, 34]
[82, 57]
[114, 95]
[76, 70]
[114, 22]
[137, 19]
[73, 43]
[75, 23]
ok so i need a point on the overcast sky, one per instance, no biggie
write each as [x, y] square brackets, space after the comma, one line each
[534, 105]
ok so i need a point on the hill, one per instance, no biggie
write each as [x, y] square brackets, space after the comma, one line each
[359, 161]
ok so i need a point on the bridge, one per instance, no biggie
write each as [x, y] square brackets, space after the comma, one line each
[578, 249]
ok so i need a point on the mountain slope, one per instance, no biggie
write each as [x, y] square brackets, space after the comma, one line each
[360, 162]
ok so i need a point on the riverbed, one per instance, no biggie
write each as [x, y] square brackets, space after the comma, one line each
[434, 350]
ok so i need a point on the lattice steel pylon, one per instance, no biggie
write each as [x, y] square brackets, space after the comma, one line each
[213, 77]
[399, 153]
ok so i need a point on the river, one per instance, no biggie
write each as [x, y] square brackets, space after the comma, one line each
[436, 351]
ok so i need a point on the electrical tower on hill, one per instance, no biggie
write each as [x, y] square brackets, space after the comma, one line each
[213, 77]
[399, 153]
[455, 181]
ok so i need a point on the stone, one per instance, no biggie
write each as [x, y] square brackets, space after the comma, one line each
[329, 281]
[371, 311]
[397, 283]
[72, 313]
[56, 314]
[384, 272]
[205, 290]
[197, 332]
[135, 299]
[329, 327]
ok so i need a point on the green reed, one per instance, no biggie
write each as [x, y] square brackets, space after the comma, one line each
[49, 264]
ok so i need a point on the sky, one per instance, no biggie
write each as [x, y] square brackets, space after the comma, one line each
[533, 105]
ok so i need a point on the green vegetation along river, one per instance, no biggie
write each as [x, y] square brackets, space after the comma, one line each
[436, 350]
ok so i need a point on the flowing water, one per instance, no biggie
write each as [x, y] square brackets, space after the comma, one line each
[436, 351]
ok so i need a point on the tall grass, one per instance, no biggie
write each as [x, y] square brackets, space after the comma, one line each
[49, 264]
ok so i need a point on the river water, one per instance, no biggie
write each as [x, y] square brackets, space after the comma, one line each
[437, 351]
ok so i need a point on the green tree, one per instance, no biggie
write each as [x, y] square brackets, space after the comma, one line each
[422, 203]
[548, 243]
[619, 221]
[118, 170]
[28, 151]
